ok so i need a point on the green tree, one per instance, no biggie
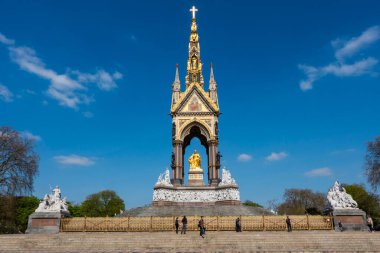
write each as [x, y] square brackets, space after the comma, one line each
[25, 206]
[101, 204]
[251, 203]
[301, 201]
[373, 163]
[75, 210]
[368, 202]
[15, 212]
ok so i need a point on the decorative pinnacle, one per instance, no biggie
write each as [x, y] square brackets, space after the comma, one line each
[176, 80]
[212, 80]
[193, 10]
[176, 84]
[212, 83]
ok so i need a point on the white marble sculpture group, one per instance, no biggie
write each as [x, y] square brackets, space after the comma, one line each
[227, 191]
[227, 178]
[339, 198]
[53, 202]
[164, 179]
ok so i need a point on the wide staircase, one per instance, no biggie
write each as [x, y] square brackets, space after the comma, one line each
[296, 241]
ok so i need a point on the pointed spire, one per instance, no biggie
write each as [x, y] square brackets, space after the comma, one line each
[176, 87]
[212, 83]
[212, 86]
[177, 83]
[194, 64]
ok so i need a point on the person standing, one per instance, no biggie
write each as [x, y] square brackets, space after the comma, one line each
[288, 223]
[370, 224]
[238, 225]
[340, 226]
[176, 225]
[202, 229]
[184, 225]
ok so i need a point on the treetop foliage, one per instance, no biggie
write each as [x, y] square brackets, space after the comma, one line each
[101, 204]
[373, 163]
[18, 163]
[368, 202]
[251, 203]
[301, 201]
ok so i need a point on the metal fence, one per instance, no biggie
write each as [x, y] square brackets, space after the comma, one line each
[212, 223]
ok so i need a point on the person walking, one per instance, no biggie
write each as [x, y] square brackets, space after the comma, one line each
[176, 225]
[288, 223]
[184, 225]
[370, 224]
[202, 229]
[238, 225]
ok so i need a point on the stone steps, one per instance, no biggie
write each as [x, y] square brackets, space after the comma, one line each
[298, 241]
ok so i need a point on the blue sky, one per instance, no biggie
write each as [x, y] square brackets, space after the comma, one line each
[298, 89]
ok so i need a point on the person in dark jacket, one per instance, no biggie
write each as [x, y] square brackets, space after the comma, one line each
[176, 225]
[184, 225]
[238, 225]
[288, 224]
[202, 229]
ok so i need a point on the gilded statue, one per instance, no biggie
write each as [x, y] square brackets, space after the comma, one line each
[195, 161]
[194, 63]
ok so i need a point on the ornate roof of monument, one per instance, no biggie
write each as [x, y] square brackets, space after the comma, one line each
[195, 81]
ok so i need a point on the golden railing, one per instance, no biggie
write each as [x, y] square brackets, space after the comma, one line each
[212, 223]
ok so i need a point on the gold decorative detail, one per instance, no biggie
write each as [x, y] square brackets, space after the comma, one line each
[201, 91]
[181, 122]
[208, 122]
[195, 162]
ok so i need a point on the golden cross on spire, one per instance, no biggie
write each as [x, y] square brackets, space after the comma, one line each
[193, 10]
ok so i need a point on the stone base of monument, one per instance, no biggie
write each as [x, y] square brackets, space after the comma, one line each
[351, 219]
[195, 195]
[196, 178]
[45, 222]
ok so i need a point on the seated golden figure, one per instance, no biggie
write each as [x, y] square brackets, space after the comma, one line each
[195, 161]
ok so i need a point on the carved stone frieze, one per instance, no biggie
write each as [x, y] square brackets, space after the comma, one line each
[194, 195]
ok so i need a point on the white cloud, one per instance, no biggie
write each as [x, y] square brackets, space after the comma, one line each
[244, 157]
[5, 94]
[5, 40]
[70, 88]
[276, 156]
[103, 79]
[30, 136]
[74, 160]
[355, 44]
[321, 172]
[358, 68]
[339, 68]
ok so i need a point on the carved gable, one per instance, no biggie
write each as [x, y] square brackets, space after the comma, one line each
[195, 100]
[194, 104]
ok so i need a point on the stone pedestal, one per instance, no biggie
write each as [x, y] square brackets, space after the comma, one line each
[351, 219]
[45, 222]
[195, 178]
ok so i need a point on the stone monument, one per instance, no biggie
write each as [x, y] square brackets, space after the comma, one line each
[47, 217]
[195, 114]
[345, 209]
